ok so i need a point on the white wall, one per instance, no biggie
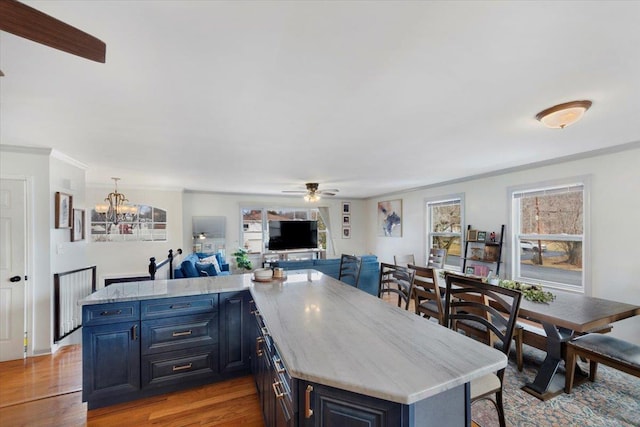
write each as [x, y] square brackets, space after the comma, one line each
[615, 232]
[132, 258]
[229, 205]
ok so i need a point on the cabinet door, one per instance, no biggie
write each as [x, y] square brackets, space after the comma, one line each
[235, 332]
[334, 407]
[111, 363]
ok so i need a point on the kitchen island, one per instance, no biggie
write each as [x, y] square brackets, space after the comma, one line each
[335, 352]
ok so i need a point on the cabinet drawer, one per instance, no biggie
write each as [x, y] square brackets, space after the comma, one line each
[177, 333]
[102, 314]
[168, 307]
[178, 367]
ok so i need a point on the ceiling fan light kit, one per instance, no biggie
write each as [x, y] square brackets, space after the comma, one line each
[312, 194]
[562, 115]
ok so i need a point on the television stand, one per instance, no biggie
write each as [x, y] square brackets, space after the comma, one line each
[292, 255]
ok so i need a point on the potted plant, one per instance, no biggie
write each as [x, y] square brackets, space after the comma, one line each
[242, 259]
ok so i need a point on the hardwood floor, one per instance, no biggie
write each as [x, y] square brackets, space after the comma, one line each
[47, 391]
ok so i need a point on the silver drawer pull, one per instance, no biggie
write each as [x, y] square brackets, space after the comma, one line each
[111, 313]
[182, 368]
[279, 394]
[264, 331]
[279, 369]
[178, 306]
[181, 334]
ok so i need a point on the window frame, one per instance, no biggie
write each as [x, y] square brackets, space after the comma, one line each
[516, 236]
[428, 234]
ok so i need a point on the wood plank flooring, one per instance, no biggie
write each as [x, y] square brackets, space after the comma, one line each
[46, 391]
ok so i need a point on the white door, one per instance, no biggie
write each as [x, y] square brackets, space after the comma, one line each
[12, 268]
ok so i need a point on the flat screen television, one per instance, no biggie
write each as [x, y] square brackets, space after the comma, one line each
[285, 235]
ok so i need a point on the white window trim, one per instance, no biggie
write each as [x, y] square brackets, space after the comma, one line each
[512, 266]
[427, 222]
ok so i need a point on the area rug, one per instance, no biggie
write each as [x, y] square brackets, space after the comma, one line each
[613, 400]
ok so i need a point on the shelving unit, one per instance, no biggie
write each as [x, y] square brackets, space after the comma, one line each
[482, 252]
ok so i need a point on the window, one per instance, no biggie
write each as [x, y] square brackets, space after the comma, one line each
[444, 228]
[139, 223]
[255, 225]
[549, 226]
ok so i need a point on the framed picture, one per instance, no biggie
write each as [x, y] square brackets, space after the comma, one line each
[346, 219]
[390, 218]
[472, 235]
[346, 232]
[64, 206]
[207, 247]
[77, 231]
[482, 236]
[346, 207]
[470, 270]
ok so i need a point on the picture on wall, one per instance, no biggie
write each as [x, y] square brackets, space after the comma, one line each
[77, 232]
[64, 206]
[346, 232]
[346, 219]
[346, 207]
[390, 218]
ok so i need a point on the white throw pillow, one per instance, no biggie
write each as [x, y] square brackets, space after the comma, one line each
[213, 260]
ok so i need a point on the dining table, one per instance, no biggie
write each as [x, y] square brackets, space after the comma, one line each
[566, 316]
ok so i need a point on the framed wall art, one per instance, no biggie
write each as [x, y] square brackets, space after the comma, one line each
[77, 231]
[346, 208]
[390, 218]
[346, 232]
[64, 206]
[346, 219]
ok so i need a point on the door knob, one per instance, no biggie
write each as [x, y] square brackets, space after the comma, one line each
[15, 279]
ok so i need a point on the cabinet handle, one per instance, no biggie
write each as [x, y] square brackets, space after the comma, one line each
[177, 306]
[181, 334]
[279, 369]
[308, 412]
[111, 313]
[134, 332]
[259, 352]
[264, 330]
[279, 394]
[183, 367]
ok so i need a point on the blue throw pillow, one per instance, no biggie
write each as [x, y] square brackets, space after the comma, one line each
[206, 267]
[189, 269]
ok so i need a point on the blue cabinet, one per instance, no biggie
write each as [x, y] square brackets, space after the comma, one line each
[235, 333]
[110, 353]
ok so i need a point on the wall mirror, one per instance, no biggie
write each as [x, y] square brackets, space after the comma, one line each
[209, 234]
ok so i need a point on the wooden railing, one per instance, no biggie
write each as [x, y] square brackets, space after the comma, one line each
[70, 287]
[153, 267]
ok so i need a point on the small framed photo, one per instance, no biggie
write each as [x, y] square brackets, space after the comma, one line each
[346, 219]
[64, 213]
[346, 232]
[472, 235]
[482, 236]
[470, 270]
[77, 232]
[346, 208]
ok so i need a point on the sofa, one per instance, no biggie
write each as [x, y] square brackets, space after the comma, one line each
[200, 264]
[369, 272]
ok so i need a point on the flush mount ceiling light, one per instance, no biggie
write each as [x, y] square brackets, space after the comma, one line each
[562, 115]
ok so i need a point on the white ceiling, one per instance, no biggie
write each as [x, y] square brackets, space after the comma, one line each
[368, 97]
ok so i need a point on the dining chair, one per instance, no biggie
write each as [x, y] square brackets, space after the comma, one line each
[436, 258]
[426, 294]
[395, 279]
[350, 267]
[404, 260]
[467, 300]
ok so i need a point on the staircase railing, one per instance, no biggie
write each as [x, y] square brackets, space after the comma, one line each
[70, 287]
[154, 267]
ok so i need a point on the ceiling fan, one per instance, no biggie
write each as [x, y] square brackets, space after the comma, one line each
[24, 21]
[312, 194]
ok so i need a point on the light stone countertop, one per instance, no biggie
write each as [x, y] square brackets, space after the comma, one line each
[333, 334]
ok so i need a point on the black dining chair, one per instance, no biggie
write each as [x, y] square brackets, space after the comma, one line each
[398, 280]
[467, 302]
[350, 266]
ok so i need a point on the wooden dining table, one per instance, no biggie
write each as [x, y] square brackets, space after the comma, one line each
[566, 316]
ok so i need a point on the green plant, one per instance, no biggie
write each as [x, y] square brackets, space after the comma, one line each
[533, 293]
[242, 259]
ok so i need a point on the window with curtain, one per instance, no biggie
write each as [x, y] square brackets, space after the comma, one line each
[549, 224]
[444, 228]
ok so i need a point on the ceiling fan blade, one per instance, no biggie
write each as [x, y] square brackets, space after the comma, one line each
[27, 22]
[330, 190]
[295, 191]
[325, 193]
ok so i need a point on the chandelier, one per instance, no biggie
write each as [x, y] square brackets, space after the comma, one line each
[116, 208]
